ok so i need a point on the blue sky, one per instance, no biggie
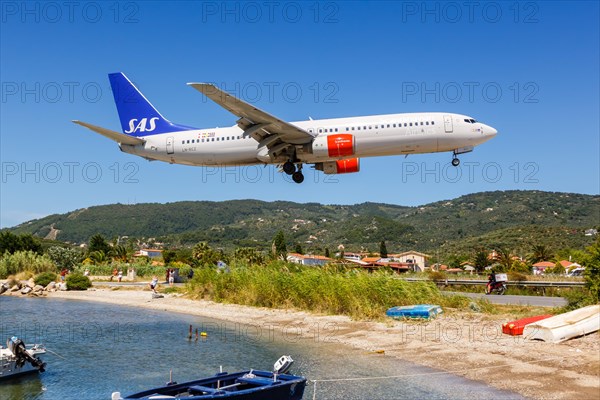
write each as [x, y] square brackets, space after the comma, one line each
[529, 69]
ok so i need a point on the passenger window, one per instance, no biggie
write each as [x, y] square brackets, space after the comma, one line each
[188, 142]
[432, 123]
[421, 123]
[410, 124]
[320, 130]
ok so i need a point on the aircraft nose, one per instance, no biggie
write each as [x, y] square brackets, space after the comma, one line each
[489, 131]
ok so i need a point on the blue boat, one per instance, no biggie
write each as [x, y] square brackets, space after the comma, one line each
[244, 385]
[417, 311]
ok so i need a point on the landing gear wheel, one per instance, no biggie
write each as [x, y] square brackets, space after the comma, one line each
[455, 162]
[289, 167]
[298, 177]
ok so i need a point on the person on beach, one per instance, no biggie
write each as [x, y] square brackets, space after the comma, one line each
[171, 277]
[153, 284]
[63, 274]
[120, 276]
[115, 272]
[87, 272]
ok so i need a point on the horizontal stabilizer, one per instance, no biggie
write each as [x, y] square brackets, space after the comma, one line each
[112, 135]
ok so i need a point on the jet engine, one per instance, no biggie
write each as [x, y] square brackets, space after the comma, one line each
[339, 167]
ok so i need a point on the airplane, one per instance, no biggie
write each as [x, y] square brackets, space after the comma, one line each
[333, 146]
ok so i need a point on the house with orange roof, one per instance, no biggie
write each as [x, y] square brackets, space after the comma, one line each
[540, 267]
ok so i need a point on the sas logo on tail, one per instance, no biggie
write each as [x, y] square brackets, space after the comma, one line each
[142, 126]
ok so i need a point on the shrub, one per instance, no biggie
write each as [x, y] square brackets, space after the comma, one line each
[45, 278]
[77, 281]
[517, 277]
[437, 275]
[578, 298]
[12, 281]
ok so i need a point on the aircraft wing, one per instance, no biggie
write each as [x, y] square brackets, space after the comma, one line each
[116, 136]
[254, 121]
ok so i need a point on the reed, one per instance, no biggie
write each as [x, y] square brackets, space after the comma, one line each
[358, 294]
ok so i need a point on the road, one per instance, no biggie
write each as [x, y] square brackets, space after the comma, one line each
[537, 301]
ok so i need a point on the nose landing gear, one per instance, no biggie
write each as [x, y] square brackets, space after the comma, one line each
[455, 161]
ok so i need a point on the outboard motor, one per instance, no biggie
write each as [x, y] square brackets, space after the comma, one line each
[17, 347]
[283, 365]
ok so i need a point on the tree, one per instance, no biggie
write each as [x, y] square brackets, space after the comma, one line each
[11, 243]
[539, 252]
[279, 248]
[120, 253]
[383, 250]
[169, 256]
[592, 270]
[298, 248]
[248, 255]
[64, 257]
[480, 260]
[505, 258]
[98, 243]
[204, 255]
[98, 257]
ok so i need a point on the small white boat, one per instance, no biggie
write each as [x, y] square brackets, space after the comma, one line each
[17, 359]
[565, 326]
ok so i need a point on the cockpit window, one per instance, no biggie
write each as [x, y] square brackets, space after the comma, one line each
[470, 120]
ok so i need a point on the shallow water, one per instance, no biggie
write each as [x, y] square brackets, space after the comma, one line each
[104, 348]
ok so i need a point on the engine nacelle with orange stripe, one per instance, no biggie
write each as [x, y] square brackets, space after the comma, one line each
[339, 167]
[334, 146]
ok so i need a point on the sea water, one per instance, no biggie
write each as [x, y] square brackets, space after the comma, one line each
[95, 349]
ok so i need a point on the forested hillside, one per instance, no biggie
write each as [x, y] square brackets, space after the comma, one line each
[514, 219]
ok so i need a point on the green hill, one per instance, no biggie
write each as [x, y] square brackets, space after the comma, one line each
[514, 219]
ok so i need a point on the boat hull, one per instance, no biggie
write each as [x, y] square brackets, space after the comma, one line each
[565, 326]
[417, 311]
[245, 385]
[9, 370]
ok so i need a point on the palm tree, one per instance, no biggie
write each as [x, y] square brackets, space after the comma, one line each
[505, 258]
[539, 253]
[120, 253]
[480, 260]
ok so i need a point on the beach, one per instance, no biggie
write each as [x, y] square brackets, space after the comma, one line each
[469, 345]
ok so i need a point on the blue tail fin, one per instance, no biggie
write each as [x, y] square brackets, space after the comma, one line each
[138, 117]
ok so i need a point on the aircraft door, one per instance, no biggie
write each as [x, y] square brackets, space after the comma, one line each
[448, 123]
[170, 145]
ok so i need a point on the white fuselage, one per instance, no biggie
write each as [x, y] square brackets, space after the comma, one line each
[377, 135]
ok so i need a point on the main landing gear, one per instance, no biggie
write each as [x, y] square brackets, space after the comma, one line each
[290, 169]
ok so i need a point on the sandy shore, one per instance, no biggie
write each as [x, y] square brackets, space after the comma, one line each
[470, 345]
